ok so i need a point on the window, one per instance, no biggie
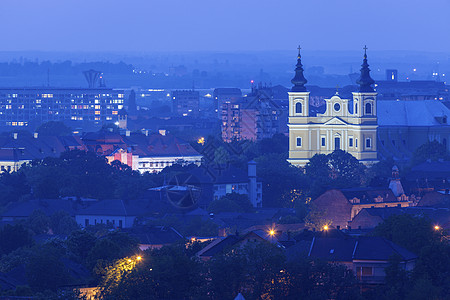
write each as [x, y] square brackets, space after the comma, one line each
[323, 142]
[356, 108]
[298, 108]
[350, 142]
[368, 109]
[337, 107]
[368, 143]
[299, 142]
[364, 271]
[356, 143]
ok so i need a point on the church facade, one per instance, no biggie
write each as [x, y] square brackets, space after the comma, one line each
[366, 128]
[347, 125]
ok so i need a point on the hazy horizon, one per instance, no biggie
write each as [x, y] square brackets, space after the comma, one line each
[202, 25]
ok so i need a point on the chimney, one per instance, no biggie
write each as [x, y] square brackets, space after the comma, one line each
[162, 132]
[252, 195]
[35, 134]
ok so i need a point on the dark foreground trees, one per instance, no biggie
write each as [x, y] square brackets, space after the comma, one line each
[256, 270]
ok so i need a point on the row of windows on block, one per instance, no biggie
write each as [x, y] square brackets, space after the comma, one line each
[337, 107]
[108, 222]
[337, 142]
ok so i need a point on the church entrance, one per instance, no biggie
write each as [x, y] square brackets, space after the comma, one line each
[337, 143]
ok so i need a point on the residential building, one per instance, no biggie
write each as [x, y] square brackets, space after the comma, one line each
[186, 103]
[222, 95]
[256, 117]
[339, 207]
[31, 106]
[367, 257]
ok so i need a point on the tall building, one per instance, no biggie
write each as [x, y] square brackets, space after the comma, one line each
[186, 103]
[222, 95]
[256, 117]
[26, 106]
[347, 125]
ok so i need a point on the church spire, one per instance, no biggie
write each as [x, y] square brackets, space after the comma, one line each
[365, 81]
[299, 79]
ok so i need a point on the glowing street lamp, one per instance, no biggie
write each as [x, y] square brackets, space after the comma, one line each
[271, 232]
[325, 227]
[437, 227]
[139, 258]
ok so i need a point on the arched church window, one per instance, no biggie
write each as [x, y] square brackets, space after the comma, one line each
[368, 109]
[298, 108]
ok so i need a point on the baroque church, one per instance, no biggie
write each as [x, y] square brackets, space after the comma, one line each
[368, 129]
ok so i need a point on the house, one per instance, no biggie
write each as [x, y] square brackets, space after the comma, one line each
[154, 237]
[341, 206]
[116, 213]
[369, 218]
[216, 183]
[21, 210]
[222, 244]
[19, 148]
[367, 257]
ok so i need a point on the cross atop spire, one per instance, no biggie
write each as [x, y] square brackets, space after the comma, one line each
[365, 81]
[299, 79]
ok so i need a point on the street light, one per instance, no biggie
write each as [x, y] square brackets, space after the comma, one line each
[325, 227]
[138, 258]
[437, 227]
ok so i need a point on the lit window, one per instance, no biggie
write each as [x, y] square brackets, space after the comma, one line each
[114, 112]
[97, 112]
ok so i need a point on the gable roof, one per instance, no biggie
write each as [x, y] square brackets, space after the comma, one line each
[362, 248]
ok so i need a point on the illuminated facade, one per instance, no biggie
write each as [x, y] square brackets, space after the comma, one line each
[366, 127]
[347, 125]
[24, 106]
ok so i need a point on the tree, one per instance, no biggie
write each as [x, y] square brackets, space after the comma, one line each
[62, 223]
[430, 151]
[45, 270]
[166, 273]
[231, 202]
[278, 177]
[408, 231]
[80, 243]
[13, 237]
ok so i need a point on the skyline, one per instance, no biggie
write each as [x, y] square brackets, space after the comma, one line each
[175, 25]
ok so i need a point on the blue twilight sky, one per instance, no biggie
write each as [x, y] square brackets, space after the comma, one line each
[223, 25]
